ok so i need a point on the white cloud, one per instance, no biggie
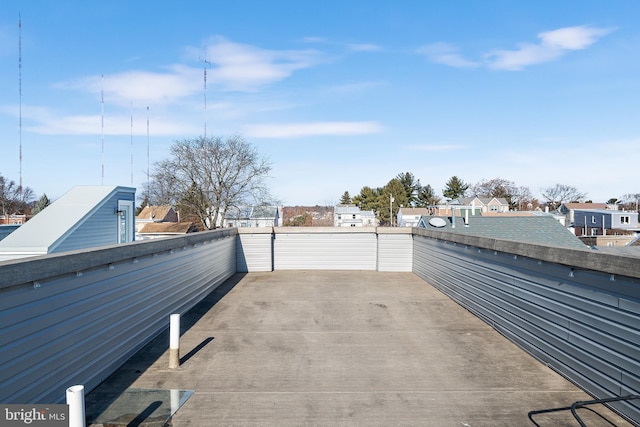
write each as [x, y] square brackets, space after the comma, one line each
[44, 121]
[553, 45]
[446, 54]
[364, 47]
[241, 67]
[142, 87]
[573, 38]
[294, 130]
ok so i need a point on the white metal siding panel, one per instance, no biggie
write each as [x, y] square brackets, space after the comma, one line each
[325, 251]
[579, 322]
[79, 327]
[254, 252]
[395, 252]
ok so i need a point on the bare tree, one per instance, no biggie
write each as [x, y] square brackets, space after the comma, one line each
[208, 175]
[561, 193]
[14, 199]
[518, 197]
[631, 201]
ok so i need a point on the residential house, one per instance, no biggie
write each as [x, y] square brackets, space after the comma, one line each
[156, 214]
[602, 222]
[568, 209]
[251, 216]
[409, 217]
[352, 216]
[84, 217]
[155, 230]
[14, 219]
[478, 205]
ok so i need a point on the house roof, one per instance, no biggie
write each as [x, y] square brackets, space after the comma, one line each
[346, 209]
[157, 213]
[251, 212]
[541, 229]
[466, 201]
[269, 212]
[59, 219]
[168, 228]
[583, 206]
[414, 211]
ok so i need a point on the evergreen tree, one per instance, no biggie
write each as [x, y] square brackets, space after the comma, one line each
[368, 199]
[42, 203]
[345, 199]
[427, 197]
[411, 187]
[455, 188]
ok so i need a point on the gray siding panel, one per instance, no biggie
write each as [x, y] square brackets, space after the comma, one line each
[254, 252]
[100, 229]
[325, 251]
[395, 252]
[76, 328]
[573, 320]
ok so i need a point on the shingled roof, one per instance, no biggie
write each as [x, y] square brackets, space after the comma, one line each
[541, 229]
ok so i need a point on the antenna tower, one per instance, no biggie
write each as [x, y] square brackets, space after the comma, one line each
[20, 92]
[148, 169]
[132, 144]
[102, 122]
[206, 63]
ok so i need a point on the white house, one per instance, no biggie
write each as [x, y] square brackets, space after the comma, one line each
[352, 216]
[409, 217]
[252, 216]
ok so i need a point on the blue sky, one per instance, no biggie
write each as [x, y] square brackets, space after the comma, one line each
[336, 94]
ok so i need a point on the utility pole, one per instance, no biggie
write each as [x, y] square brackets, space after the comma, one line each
[391, 200]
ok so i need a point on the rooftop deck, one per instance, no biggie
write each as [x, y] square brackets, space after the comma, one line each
[291, 348]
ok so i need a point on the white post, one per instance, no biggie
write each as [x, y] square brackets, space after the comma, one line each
[175, 400]
[75, 400]
[174, 341]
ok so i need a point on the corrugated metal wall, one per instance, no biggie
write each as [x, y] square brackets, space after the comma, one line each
[584, 324]
[254, 250]
[79, 326]
[101, 228]
[330, 249]
[395, 251]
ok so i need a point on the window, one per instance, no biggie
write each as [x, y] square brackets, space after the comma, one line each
[624, 219]
[593, 219]
[493, 208]
[354, 216]
[594, 231]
